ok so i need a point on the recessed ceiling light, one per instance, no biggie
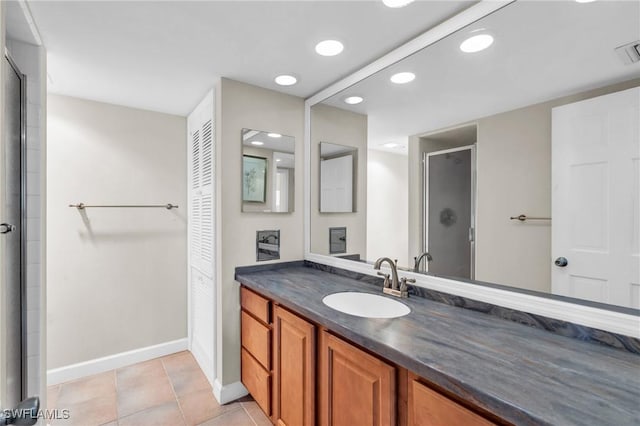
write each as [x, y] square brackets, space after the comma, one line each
[396, 3]
[353, 100]
[277, 159]
[257, 143]
[274, 135]
[329, 48]
[286, 80]
[391, 145]
[476, 43]
[403, 77]
[585, 1]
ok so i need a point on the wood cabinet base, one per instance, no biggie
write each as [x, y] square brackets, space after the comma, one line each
[355, 388]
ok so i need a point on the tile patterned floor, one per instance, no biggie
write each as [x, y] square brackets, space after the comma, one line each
[165, 391]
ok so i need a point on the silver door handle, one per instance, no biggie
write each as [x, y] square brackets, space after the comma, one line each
[561, 262]
[5, 228]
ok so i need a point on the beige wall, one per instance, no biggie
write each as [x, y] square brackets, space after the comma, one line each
[513, 177]
[338, 126]
[117, 277]
[388, 228]
[241, 106]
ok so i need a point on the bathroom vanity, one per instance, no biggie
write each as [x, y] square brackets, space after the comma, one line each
[305, 363]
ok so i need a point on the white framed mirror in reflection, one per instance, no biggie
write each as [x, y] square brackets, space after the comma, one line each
[268, 172]
[507, 152]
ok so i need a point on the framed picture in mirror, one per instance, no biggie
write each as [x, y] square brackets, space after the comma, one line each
[254, 179]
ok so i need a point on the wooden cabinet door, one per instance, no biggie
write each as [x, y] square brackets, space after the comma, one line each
[355, 388]
[294, 369]
[429, 408]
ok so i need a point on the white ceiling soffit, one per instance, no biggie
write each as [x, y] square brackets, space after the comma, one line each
[262, 140]
[542, 51]
[163, 55]
[19, 23]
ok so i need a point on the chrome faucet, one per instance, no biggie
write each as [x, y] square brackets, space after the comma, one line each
[418, 260]
[394, 272]
[397, 287]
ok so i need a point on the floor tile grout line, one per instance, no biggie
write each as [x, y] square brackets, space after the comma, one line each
[248, 414]
[164, 367]
[115, 388]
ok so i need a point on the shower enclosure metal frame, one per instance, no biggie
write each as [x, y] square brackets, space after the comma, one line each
[425, 200]
[23, 220]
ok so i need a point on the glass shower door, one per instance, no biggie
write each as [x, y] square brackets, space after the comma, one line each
[449, 211]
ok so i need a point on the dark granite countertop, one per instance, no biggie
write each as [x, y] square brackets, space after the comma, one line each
[524, 375]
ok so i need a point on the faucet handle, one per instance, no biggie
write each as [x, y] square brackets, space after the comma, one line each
[404, 281]
[387, 284]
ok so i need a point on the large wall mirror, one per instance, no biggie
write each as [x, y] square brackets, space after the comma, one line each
[507, 152]
[268, 163]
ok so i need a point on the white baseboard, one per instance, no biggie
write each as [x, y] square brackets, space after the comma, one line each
[100, 365]
[227, 393]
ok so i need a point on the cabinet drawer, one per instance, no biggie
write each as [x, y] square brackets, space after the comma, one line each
[256, 338]
[429, 408]
[257, 305]
[257, 381]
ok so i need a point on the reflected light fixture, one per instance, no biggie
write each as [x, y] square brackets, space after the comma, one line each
[396, 3]
[403, 77]
[476, 43]
[286, 80]
[353, 100]
[329, 48]
[257, 143]
[274, 135]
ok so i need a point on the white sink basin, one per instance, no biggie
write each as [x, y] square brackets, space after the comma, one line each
[366, 305]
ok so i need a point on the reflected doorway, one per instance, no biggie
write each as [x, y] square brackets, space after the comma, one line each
[449, 211]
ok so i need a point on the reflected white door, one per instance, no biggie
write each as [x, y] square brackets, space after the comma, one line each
[336, 185]
[282, 191]
[596, 184]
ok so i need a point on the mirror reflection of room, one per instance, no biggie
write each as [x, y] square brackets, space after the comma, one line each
[268, 172]
[339, 165]
[337, 180]
[508, 170]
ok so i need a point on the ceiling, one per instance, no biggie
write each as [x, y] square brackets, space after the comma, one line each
[274, 143]
[164, 55]
[542, 51]
[332, 149]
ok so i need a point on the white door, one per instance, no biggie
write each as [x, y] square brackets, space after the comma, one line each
[595, 204]
[282, 191]
[336, 184]
[202, 267]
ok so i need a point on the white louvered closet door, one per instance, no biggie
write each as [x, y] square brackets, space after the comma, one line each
[201, 184]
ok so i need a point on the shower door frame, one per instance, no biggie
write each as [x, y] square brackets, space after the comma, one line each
[425, 202]
[23, 220]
